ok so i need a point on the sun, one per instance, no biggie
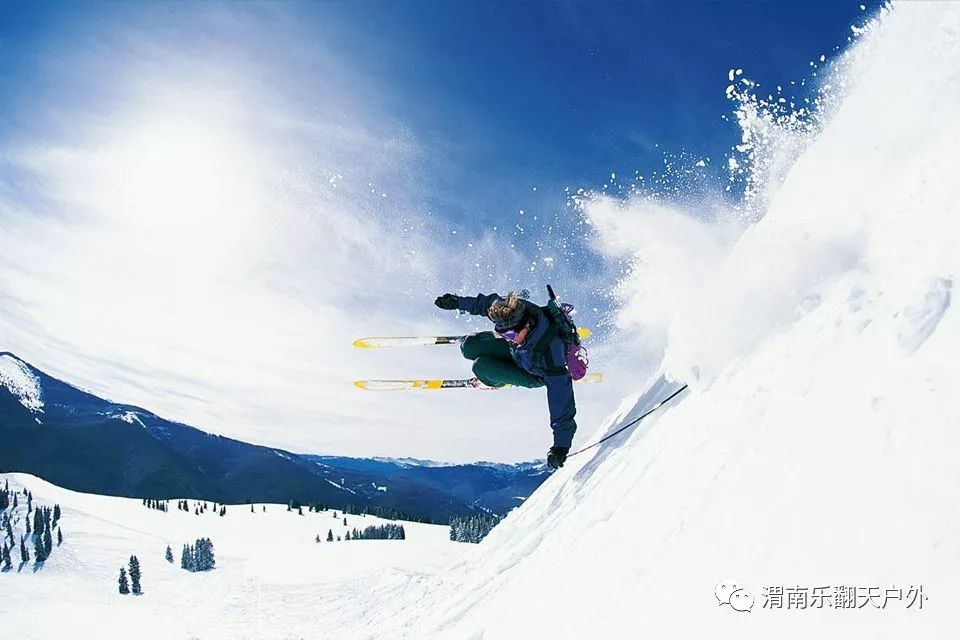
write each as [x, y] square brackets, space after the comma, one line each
[178, 175]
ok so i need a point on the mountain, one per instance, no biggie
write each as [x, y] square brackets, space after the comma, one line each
[493, 487]
[85, 443]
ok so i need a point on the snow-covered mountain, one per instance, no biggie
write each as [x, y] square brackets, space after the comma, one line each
[83, 442]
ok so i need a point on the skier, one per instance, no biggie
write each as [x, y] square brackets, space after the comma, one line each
[526, 349]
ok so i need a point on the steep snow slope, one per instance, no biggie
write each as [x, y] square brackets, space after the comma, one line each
[820, 444]
[272, 579]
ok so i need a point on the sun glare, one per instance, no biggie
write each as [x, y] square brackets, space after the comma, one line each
[177, 176]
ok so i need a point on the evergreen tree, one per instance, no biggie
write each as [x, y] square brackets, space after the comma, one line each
[300, 511]
[28, 525]
[59, 536]
[135, 576]
[24, 554]
[344, 522]
[338, 538]
[318, 537]
[38, 549]
[251, 509]
[47, 543]
[209, 560]
[5, 557]
[330, 535]
[169, 555]
[56, 513]
[14, 501]
[9, 531]
[472, 528]
[200, 555]
[185, 558]
[123, 584]
[347, 537]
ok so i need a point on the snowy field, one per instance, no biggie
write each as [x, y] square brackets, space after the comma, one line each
[272, 580]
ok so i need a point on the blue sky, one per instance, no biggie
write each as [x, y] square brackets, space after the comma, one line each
[248, 185]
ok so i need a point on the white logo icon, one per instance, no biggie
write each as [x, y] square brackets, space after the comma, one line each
[731, 592]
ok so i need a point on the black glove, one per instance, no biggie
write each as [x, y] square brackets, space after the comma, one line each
[557, 456]
[447, 301]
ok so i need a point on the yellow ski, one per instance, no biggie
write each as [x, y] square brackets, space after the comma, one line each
[426, 341]
[455, 383]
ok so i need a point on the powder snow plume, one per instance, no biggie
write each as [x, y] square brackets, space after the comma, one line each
[707, 282]
[818, 446]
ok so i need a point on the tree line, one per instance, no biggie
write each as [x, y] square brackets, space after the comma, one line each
[41, 526]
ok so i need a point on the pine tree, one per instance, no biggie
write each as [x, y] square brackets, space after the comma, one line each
[122, 582]
[56, 513]
[344, 522]
[318, 537]
[338, 538]
[28, 525]
[200, 555]
[251, 509]
[38, 549]
[330, 535]
[24, 554]
[169, 555]
[300, 511]
[59, 536]
[47, 543]
[185, 558]
[347, 537]
[135, 576]
[5, 557]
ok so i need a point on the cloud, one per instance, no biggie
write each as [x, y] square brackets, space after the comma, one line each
[227, 210]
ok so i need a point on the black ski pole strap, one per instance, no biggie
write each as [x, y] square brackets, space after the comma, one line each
[632, 422]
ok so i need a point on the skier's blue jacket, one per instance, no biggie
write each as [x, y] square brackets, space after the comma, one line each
[544, 355]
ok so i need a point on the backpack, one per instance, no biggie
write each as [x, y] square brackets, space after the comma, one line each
[561, 316]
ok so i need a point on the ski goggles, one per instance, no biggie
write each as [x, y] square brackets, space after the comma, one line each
[512, 330]
[508, 334]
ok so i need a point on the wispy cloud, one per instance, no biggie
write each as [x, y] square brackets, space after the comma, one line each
[227, 210]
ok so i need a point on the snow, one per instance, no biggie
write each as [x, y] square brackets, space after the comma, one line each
[341, 487]
[21, 382]
[272, 579]
[131, 418]
[817, 446]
